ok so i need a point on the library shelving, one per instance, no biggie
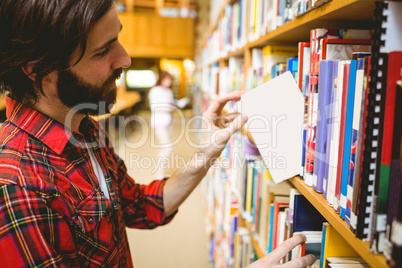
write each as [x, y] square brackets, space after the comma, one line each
[346, 14]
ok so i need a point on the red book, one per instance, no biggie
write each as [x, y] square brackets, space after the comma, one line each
[302, 49]
[393, 75]
[309, 166]
[280, 203]
[303, 249]
[343, 108]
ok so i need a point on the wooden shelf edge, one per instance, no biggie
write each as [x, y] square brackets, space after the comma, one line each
[2, 103]
[321, 204]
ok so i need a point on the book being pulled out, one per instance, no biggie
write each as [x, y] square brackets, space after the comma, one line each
[275, 120]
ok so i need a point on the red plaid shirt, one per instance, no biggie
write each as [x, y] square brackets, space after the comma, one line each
[52, 212]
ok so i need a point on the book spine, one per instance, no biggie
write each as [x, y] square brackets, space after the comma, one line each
[331, 128]
[363, 127]
[393, 74]
[348, 138]
[343, 112]
[396, 224]
[324, 94]
[393, 189]
[359, 148]
[335, 135]
[368, 173]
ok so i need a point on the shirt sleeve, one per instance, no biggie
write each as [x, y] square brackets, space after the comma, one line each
[142, 204]
[30, 233]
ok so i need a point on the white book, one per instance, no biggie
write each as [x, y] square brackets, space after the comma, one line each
[276, 116]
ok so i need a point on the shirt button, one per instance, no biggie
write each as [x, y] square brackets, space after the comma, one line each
[90, 219]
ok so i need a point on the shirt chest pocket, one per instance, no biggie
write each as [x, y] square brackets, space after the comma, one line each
[92, 217]
[94, 228]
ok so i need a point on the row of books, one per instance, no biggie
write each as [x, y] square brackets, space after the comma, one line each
[334, 77]
[233, 30]
[346, 129]
[267, 63]
[352, 145]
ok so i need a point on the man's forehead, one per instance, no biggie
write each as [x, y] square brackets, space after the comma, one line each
[105, 28]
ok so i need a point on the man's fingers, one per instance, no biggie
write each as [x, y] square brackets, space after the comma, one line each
[217, 106]
[237, 123]
[287, 246]
[300, 262]
[223, 121]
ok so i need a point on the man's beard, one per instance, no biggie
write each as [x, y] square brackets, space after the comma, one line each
[92, 99]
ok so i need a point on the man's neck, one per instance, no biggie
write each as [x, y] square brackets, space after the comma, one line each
[57, 110]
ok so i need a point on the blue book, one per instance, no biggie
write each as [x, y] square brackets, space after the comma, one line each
[271, 227]
[293, 67]
[331, 123]
[305, 216]
[281, 8]
[348, 137]
[325, 79]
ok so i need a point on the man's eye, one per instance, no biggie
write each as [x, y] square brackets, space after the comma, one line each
[103, 53]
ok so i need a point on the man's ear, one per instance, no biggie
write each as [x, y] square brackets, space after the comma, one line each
[28, 71]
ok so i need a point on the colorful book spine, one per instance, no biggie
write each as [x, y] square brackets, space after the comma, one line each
[335, 136]
[348, 138]
[343, 111]
[394, 243]
[271, 228]
[360, 148]
[324, 96]
[310, 136]
[359, 96]
[331, 128]
[393, 75]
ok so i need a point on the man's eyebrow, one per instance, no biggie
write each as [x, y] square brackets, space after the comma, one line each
[107, 43]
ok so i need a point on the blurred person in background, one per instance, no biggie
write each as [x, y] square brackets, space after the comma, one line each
[162, 105]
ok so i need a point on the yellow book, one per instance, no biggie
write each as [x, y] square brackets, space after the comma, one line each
[273, 55]
[249, 194]
[335, 245]
[267, 175]
[236, 250]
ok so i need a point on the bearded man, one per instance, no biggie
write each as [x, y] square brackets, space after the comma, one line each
[65, 196]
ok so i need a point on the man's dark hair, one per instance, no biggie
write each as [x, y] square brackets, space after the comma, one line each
[44, 33]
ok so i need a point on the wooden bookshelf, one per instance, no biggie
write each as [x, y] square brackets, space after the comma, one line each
[2, 103]
[352, 14]
[321, 204]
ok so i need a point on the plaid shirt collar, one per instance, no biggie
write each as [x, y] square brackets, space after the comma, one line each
[49, 131]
